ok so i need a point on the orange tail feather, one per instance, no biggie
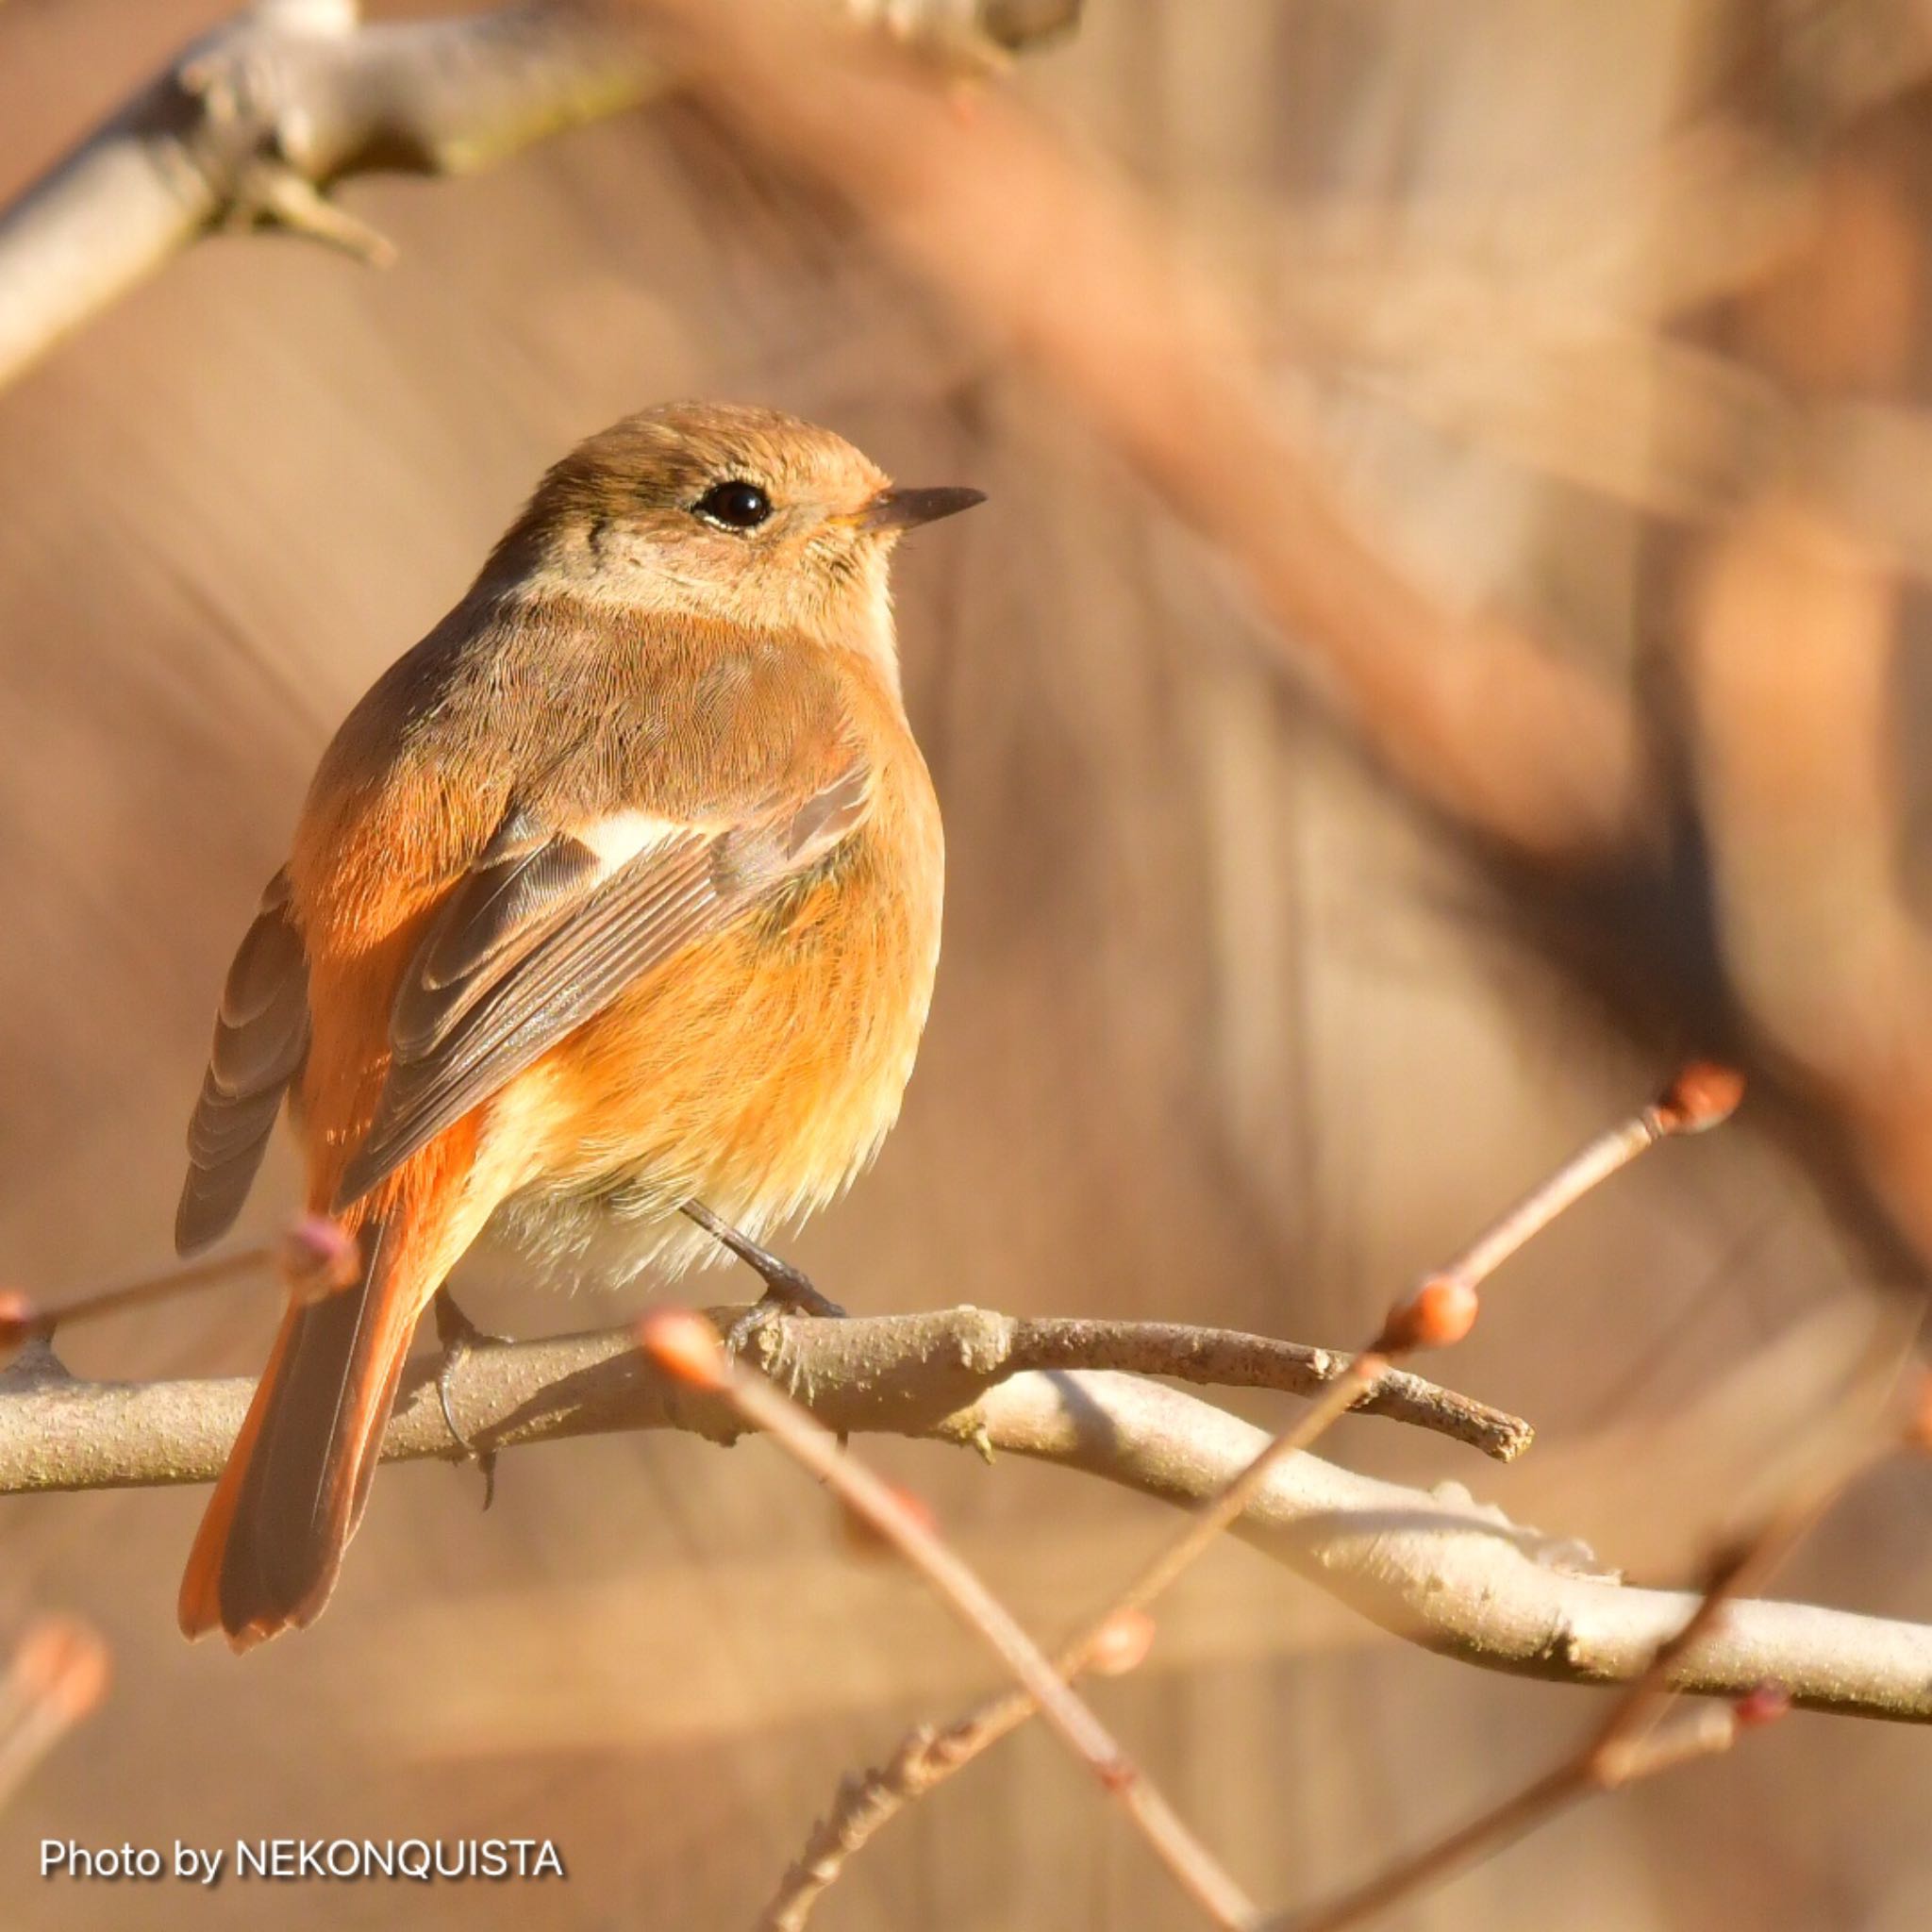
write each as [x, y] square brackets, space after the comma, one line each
[271, 1543]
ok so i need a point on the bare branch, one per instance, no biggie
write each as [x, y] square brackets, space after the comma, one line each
[1438, 1314]
[249, 124]
[1632, 1743]
[1433, 1567]
[683, 1342]
[1227, 1358]
[1451, 1574]
[901, 1373]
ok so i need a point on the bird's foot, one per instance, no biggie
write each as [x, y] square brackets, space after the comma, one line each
[460, 1337]
[788, 1289]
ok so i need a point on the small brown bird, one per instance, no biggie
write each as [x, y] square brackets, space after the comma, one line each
[613, 913]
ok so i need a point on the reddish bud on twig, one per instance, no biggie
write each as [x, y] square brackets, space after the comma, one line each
[1442, 1310]
[320, 1258]
[62, 1665]
[1704, 1094]
[1763, 1705]
[865, 1538]
[1120, 1644]
[685, 1345]
[17, 1315]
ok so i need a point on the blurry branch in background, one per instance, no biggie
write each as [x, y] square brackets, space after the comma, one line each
[1061, 262]
[253, 121]
[57, 1674]
[1838, 62]
[250, 125]
[1796, 452]
[1790, 662]
[1542, 333]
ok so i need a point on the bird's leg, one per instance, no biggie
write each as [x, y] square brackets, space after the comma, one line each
[458, 1335]
[786, 1289]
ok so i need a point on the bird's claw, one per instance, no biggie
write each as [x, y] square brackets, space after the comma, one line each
[788, 1291]
[796, 1297]
[460, 1336]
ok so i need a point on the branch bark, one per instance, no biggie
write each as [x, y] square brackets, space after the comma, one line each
[906, 1375]
[249, 124]
[1432, 1567]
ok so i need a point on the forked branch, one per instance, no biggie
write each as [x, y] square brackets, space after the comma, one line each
[252, 124]
[1436, 1568]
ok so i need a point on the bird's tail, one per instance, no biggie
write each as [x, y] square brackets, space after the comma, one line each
[271, 1545]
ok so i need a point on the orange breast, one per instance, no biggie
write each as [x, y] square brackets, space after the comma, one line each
[758, 1071]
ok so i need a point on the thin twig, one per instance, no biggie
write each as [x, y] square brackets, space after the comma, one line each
[1431, 1566]
[1596, 1768]
[252, 124]
[1438, 1313]
[926, 1757]
[26, 1321]
[1227, 1358]
[1633, 1741]
[1745, 1562]
[1704, 1733]
[684, 1340]
[1702, 1097]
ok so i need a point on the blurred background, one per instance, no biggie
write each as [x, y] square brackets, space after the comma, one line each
[1608, 324]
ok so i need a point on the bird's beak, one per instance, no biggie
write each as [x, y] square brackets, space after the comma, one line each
[906, 509]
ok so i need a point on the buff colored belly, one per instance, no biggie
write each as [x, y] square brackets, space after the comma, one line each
[756, 1072]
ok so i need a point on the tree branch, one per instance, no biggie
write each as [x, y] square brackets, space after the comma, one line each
[1454, 1575]
[1439, 1313]
[283, 98]
[1435, 1568]
[682, 1343]
[249, 124]
[905, 1374]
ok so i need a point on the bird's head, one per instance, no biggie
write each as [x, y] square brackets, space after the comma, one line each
[724, 511]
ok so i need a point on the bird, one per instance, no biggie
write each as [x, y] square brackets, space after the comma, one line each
[609, 925]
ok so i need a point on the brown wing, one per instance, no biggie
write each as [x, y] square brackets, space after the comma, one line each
[261, 1034]
[550, 924]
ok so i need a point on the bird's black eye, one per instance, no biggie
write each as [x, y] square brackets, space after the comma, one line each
[736, 506]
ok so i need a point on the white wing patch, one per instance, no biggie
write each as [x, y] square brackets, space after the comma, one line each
[620, 839]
